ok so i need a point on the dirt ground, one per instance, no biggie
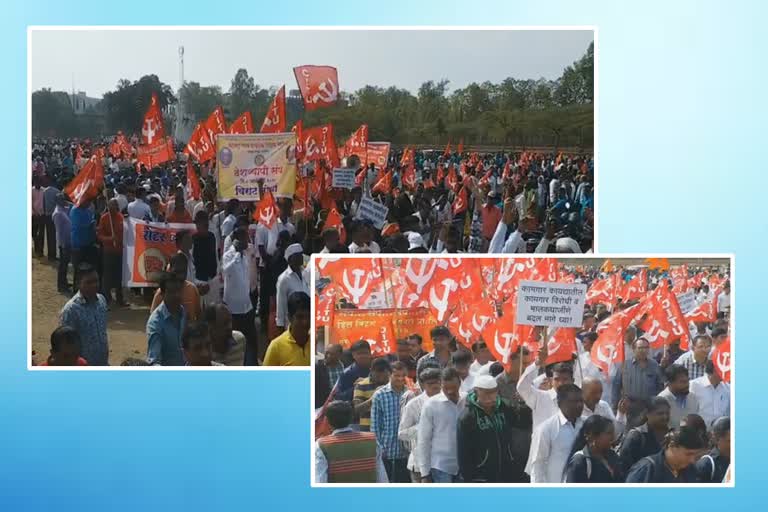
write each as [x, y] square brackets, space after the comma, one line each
[126, 326]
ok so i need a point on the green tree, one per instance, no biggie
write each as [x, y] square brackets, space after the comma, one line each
[200, 101]
[125, 107]
[52, 115]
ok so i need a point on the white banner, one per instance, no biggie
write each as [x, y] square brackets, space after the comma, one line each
[343, 178]
[687, 301]
[373, 211]
[550, 304]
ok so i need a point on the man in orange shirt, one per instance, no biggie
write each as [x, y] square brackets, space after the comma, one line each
[179, 213]
[110, 234]
[190, 297]
[491, 216]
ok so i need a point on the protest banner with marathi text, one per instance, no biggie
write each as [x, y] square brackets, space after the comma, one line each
[381, 327]
[687, 301]
[343, 178]
[373, 211]
[550, 304]
[243, 160]
[147, 248]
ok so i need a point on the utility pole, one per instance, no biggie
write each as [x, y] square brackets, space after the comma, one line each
[179, 132]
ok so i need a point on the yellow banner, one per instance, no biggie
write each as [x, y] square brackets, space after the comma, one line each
[242, 160]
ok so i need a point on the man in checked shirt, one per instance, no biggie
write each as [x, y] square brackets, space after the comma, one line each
[385, 420]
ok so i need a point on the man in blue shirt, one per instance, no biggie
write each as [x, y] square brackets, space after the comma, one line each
[166, 325]
[86, 313]
[83, 236]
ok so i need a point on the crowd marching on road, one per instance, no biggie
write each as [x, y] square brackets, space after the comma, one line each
[640, 393]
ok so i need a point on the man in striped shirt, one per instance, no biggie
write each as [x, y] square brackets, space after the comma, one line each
[695, 361]
[362, 398]
[385, 421]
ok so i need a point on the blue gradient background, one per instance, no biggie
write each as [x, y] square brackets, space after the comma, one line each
[681, 127]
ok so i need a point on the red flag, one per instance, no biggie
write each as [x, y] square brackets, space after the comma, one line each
[88, 182]
[153, 128]
[333, 220]
[199, 145]
[266, 212]
[298, 130]
[451, 179]
[507, 169]
[274, 121]
[407, 158]
[462, 202]
[383, 184]
[214, 125]
[665, 322]
[460, 149]
[114, 150]
[561, 346]
[470, 324]
[193, 185]
[319, 85]
[722, 357]
[608, 349]
[161, 150]
[636, 288]
[447, 151]
[243, 124]
[409, 178]
[319, 144]
[357, 144]
[704, 312]
[440, 174]
[485, 180]
[428, 183]
[503, 336]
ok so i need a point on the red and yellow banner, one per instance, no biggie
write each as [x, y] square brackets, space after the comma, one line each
[148, 246]
[381, 328]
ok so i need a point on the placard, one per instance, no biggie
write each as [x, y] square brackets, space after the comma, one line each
[373, 211]
[550, 304]
[343, 178]
[687, 301]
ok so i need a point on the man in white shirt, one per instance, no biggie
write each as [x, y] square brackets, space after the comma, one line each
[295, 278]
[713, 394]
[724, 300]
[543, 404]
[553, 439]
[592, 391]
[138, 208]
[362, 239]
[436, 443]
[228, 224]
[515, 243]
[429, 381]
[482, 363]
[237, 293]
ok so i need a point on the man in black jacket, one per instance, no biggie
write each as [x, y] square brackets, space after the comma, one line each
[490, 434]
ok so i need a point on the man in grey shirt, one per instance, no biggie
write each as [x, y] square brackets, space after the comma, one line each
[49, 205]
[637, 379]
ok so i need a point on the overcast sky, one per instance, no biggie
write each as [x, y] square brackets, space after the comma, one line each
[96, 60]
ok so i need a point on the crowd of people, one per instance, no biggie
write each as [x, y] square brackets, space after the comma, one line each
[212, 288]
[455, 414]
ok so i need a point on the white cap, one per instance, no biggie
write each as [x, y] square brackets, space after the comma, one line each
[485, 382]
[293, 249]
[567, 245]
[415, 240]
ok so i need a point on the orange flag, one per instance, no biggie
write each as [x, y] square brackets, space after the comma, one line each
[462, 201]
[451, 179]
[660, 263]
[357, 144]
[243, 124]
[297, 129]
[199, 145]
[319, 86]
[383, 184]
[266, 211]
[193, 185]
[318, 143]
[274, 121]
[447, 151]
[407, 158]
[86, 185]
[460, 149]
[214, 125]
[721, 357]
[153, 128]
[333, 220]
